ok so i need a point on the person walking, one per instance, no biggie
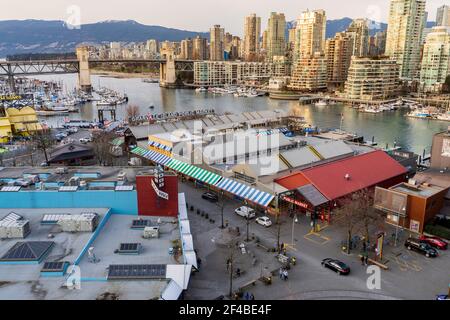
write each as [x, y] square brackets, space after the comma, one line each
[281, 273]
[285, 275]
[366, 260]
[362, 259]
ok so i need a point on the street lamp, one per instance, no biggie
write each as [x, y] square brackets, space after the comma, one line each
[248, 221]
[294, 221]
[223, 205]
[398, 226]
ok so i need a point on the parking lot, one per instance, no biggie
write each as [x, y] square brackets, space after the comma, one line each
[410, 274]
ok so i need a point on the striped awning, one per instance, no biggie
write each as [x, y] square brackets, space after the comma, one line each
[246, 192]
[152, 155]
[159, 146]
[194, 172]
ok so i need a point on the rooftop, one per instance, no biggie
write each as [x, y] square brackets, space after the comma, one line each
[419, 190]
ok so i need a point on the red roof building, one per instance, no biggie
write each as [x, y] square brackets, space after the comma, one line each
[343, 177]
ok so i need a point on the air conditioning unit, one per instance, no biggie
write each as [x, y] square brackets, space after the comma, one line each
[151, 232]
[74, 181]
[122, 176]
[61, 170]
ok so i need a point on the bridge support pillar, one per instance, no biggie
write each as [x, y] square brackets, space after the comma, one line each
[167, 74]
[84, 76]
[12, 83]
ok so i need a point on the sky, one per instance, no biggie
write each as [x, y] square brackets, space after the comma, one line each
[196, 15]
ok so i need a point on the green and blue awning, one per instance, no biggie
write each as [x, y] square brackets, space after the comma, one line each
[194, 172]
[245, 192]
[238, 189]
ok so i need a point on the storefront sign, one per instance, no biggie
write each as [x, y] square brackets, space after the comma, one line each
[296, 202]
[414, 226]
[160, 193]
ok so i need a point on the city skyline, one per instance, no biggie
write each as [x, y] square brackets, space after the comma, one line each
[199, 15]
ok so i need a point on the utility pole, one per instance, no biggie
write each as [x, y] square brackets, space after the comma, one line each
[223, 205]
[278, 232]
[231, 269]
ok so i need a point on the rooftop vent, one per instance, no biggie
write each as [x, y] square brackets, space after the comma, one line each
[347, 176]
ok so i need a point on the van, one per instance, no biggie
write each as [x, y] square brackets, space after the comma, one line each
[245, 212]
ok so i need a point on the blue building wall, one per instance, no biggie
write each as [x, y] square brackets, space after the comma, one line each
[120, 202]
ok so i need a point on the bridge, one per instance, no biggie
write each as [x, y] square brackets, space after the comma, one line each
[172, 71]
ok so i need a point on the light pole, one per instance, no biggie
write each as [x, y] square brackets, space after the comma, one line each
[223, 205]
[248, 221]
[294, 221]
[398, 226]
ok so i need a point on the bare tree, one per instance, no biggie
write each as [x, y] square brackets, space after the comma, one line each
[132, 111]
[357, 215]
[43, 140]
[101, 142]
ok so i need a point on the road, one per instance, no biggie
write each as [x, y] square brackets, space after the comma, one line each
[410, 275]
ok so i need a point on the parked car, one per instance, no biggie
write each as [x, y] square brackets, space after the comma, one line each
[264, 221]
[245, 212]
[434, 242]
[424, 248]
[212, 197]
[85, 140]
[336, 265]
[442, 297]
[72, 130]
[44, 164]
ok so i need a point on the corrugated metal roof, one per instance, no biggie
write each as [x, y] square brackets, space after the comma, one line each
[310, 193]
[333, 149]
[366, 170]
[300, 157]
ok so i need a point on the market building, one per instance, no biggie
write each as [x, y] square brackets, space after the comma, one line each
[318, 189]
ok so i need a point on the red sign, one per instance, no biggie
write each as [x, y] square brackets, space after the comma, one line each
[296, 202]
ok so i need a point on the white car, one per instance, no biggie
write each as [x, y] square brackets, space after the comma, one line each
[264, 221]
[85, 140]
[245, 212]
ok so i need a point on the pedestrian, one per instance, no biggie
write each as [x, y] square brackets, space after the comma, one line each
[285, 274]
[366, 260]
[228, 264]
[238, 272]
[281, 273]
[252, 297]
[362, 259]
[364, 246]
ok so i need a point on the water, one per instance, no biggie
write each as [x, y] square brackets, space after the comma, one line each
[387, 128]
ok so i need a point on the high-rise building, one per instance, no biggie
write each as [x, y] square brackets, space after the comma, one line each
[404, 34]
[372, 78]
[310, 73]
[151, 46]
[216, 43]
[252, 33]
[339, 51]
[435, 65]
[310, 34]
[200, 49]
[187, 49]
[443, 16]
[276, 38]
[359, 29]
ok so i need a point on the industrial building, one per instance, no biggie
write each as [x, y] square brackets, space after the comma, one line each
[68, 218]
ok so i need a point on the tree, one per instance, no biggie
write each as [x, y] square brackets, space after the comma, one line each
[132, 111]
[43, 140]
[101, 141]
[357, 214]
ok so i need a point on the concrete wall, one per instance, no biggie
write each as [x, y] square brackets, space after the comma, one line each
[120, 202]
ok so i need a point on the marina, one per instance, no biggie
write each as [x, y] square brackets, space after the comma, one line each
[387, 127]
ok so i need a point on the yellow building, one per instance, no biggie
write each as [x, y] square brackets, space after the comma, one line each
[5, 130]
[23, 122]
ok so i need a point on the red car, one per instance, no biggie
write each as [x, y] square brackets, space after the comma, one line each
[434, 242]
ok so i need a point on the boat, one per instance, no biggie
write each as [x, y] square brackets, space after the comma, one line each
[321, 103]
[202, 89]
[443, 116]
[420, 113]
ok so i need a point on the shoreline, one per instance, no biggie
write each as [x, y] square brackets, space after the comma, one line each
[123, 75]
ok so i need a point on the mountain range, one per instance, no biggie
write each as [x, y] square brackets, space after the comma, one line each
[42, 36]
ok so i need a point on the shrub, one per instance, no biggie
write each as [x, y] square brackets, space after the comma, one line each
[438, 231]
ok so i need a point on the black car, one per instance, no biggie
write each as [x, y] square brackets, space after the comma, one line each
[336, 265]
[421, 247]
[210, 196]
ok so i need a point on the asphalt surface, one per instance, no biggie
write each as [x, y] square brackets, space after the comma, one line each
[410, 275]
